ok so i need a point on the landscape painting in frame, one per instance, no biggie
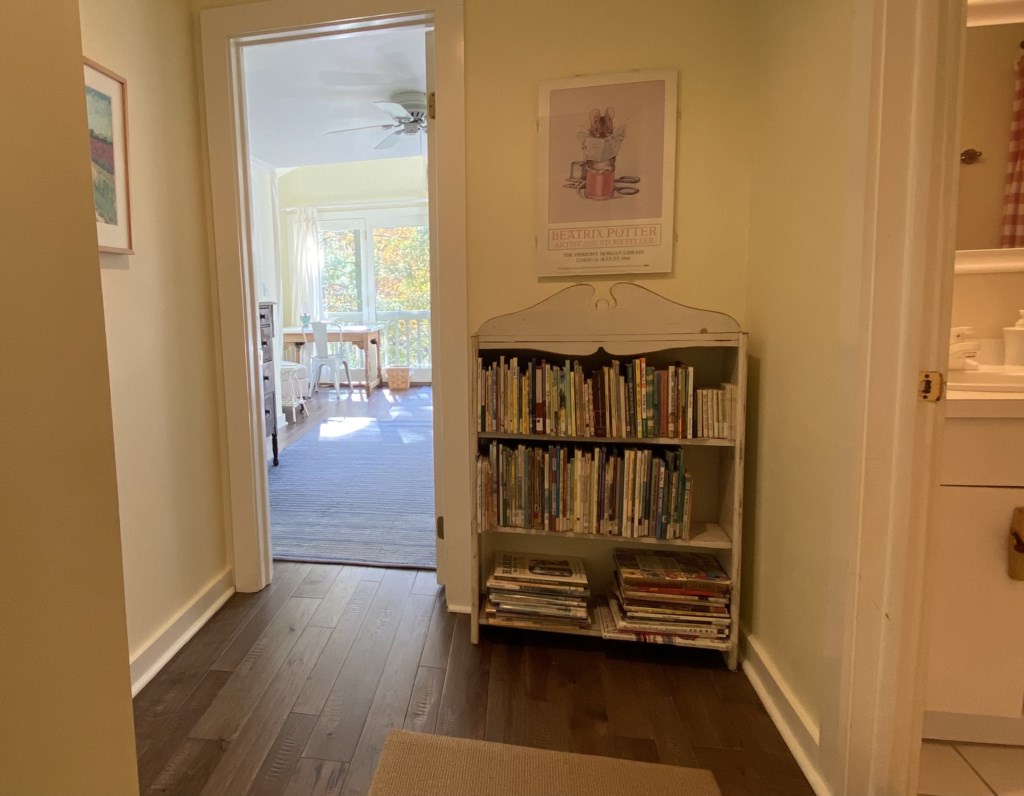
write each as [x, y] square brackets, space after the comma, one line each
[105, 104]
[606, 174]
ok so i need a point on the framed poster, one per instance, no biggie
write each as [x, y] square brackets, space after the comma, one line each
[105, 105]
[606, 174]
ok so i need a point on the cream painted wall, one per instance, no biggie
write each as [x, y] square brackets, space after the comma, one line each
[359, 182]
[65, 699]
[802, 246]
[988, 302]
[988, 91]
[161, 334]
[266, 240]
[510, 47]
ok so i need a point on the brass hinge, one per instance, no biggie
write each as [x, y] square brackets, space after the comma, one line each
[440, 527]
[431, 105]
[930, 385]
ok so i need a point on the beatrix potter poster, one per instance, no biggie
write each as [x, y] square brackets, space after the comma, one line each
[606, 174]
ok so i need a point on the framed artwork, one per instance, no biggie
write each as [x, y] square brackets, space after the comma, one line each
[606, 174]
[106, 110]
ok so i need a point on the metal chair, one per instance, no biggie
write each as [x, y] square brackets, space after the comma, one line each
[324, 353]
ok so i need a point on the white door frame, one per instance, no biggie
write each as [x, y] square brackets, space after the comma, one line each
[224, 32]
[906, 295]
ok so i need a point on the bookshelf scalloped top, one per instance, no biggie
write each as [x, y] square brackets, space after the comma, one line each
[633, 311]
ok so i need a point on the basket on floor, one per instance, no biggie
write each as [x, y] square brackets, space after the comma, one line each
[398, 377]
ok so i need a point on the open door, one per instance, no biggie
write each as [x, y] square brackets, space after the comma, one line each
[435, 342]
[225, 32]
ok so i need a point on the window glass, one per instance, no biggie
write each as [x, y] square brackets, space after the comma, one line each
[341, 278]
[402, 268]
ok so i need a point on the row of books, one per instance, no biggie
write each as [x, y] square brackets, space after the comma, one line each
[630, 400]
[538, 591]
[668, 597]
[716, 412]
[608, 491]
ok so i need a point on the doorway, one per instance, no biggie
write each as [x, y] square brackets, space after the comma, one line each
[227, 32]
[336, 130]
[973, 687]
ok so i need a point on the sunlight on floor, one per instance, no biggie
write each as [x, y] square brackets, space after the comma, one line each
[335, 427]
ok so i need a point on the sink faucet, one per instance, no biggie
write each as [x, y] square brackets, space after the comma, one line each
[963, 348]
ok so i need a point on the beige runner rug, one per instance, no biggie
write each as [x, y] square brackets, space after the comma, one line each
[417, 764]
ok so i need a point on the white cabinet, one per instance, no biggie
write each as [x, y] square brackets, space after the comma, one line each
[976, 620]
[975, 611]
[636, 323]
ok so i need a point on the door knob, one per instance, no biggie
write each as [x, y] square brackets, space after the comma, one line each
[1015, 564]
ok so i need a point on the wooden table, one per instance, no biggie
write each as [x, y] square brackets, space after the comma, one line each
[368, 339]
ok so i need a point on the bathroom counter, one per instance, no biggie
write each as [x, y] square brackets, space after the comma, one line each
[966, 403]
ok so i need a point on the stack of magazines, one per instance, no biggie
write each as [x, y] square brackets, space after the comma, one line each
[668, 597]
[538, 591]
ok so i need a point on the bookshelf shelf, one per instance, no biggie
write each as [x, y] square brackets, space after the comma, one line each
[712, 442]
[707, 535]
[634, 363]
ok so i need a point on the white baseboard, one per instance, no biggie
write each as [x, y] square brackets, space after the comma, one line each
[798, 728]
[999, 730]
[155, 653]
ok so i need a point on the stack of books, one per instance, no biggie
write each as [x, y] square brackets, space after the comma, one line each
[668, 597]
[538, 591]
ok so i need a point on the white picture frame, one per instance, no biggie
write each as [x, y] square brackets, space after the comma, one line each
[106, 108]
[606, 174]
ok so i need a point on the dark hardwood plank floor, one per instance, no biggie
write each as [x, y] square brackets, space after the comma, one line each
[293, 690]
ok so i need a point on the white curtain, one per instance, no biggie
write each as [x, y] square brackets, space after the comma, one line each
[305, 266]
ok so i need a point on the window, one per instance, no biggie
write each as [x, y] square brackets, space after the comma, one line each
[341, 280]
[402, 273]
[376, 269]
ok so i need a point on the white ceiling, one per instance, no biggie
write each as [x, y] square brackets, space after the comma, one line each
[298, 90]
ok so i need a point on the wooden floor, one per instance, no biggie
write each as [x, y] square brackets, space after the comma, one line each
[383, 404]
[292, 690]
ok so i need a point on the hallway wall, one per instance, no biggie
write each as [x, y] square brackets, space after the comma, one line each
[803, 283]
[161, 331]
[707, 43]
[65, 700]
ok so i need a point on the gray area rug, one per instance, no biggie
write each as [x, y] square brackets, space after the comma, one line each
[356, 490]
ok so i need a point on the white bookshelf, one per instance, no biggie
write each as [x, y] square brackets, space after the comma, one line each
[635, 322]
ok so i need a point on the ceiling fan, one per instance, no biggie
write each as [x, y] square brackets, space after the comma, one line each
[408, 112]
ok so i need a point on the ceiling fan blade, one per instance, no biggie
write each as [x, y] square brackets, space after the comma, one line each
[390, 141]
[368, 127]
[393, 109]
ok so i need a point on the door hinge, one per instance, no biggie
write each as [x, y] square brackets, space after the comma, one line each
[440, 527]
[930, 385]
[431, 105]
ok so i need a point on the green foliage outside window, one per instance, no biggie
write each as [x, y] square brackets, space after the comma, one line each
[402, 255]
[341, 280]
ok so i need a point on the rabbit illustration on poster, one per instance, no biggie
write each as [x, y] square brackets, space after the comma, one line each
[600, 144]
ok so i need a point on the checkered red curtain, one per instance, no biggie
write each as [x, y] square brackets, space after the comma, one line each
[1013, 193]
